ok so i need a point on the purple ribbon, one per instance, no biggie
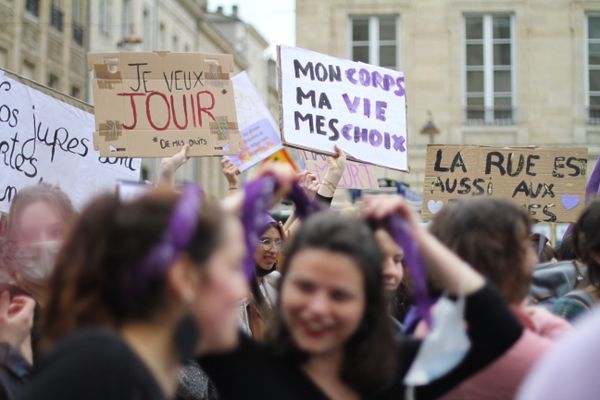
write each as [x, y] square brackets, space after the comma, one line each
[413, 259]
[177, 237]
[257, 197]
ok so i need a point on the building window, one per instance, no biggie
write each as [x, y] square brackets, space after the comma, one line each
[489, 70]
[593, 69]
[33, 7]
[28, 70]
[374, 40]
[56, 16]
[127, 20]
[75, 91]
[104, 17]
[53, 81]
[175, 43]
[162, 38]
[147, 29]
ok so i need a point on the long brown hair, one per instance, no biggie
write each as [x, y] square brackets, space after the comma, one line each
[370, 355]
[93, 276]
[492, 235]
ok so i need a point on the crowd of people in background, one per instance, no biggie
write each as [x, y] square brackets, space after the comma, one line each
[149, 298]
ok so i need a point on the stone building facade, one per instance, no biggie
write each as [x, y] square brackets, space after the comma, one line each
[45, 40]
[502, 72]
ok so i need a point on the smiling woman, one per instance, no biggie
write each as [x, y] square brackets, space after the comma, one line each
[332, 337]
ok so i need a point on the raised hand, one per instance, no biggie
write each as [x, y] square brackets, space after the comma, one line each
[231, 172]
[169, 165]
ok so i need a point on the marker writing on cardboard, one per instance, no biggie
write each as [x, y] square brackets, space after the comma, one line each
[509, 164]
[319, 124]
[168, 105]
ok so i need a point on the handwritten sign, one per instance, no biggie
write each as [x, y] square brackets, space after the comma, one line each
[327, 101]
[356, 176]
[151, 104]
[260, 135]
[548, 182]
[45, 139]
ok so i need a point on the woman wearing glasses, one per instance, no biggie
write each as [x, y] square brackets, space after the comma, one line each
[257, 309]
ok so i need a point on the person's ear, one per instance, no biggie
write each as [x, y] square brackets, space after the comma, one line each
[183, 278]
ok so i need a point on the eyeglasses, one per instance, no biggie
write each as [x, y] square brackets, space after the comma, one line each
[268, 243]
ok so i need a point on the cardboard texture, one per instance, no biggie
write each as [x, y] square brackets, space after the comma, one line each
[356, 176]
[327, 101]
[151, 104]
[548, 182]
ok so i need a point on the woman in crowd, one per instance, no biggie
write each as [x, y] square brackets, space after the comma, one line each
[136, 284]
[263, 286]
[586, 244]
[494, 237]
[127, 281]
[394, 283]
[38, 219]
[332, 336]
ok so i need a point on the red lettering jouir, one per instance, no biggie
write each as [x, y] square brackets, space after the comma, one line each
[133, 108]
[205, 109]
[175, 114]
[149, 116]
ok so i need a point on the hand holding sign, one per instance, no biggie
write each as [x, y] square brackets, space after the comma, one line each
[169, 165]
[337, 166]
[231, 172]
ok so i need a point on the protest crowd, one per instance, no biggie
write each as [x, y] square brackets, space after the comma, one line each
[174, 293]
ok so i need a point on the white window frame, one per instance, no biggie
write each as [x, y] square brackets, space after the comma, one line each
[587, 68]
[374, 41]
[104, 16]
[489, 67]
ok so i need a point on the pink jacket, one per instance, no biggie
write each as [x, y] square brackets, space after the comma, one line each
[502, 379]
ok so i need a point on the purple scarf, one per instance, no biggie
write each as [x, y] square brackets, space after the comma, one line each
[413, 259]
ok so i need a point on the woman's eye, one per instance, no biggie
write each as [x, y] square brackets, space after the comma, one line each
[305, 286]
[339, 295]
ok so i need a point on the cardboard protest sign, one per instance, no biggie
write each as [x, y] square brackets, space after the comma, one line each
[327, 101]
[260, 135]
[151, 104]
[548, 182]
[45, 139]
[356, 176]
[284, 157]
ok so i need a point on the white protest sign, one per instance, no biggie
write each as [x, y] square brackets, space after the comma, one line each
[327, 101]
[260, 135]
[45, 139]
